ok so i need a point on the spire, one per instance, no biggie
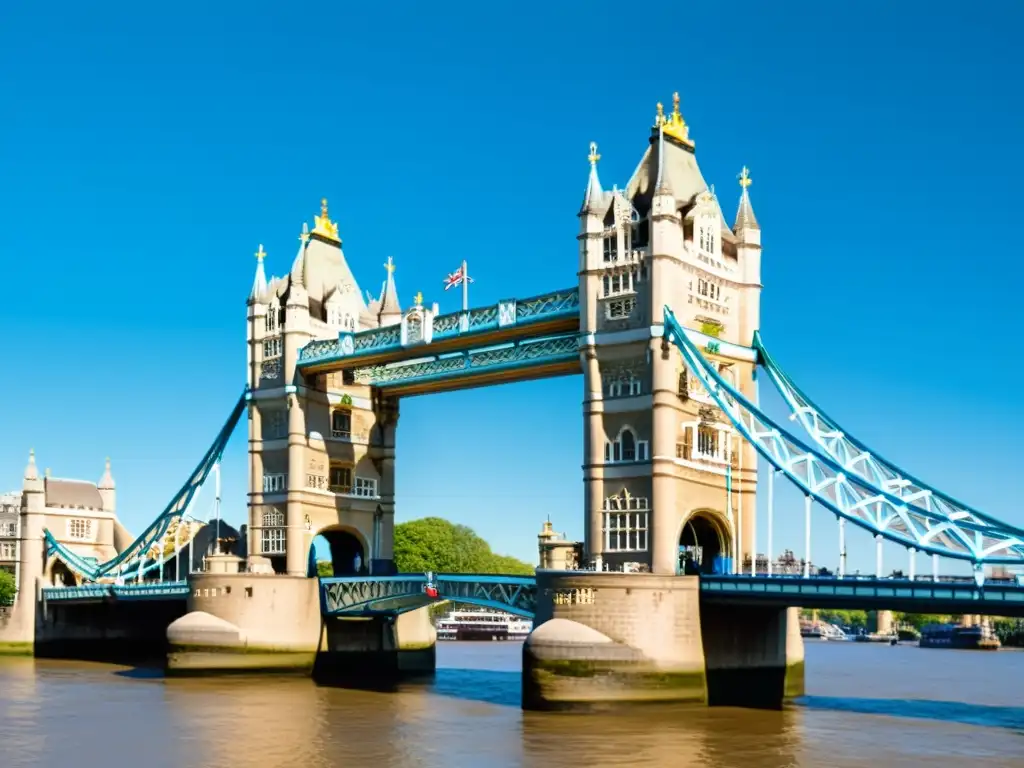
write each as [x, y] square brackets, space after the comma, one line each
[259, 284]
[298, 273]
[31, 473]
[106, 482]
[389, 306]
[661, 185]
[674, 125]
[323, 226]
[745, 218]
[594, 195]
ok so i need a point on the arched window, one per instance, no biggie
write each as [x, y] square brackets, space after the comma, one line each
[624, 522]
[341, 423]
[272, 535]
[271, 320]
[625, 448]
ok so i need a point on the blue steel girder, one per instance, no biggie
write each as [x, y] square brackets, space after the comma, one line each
[168, 590]
[389, 595]
[523, 354]
[136, 554]
[919, 596]
[847, 495]
[479, 321]
[856, 457]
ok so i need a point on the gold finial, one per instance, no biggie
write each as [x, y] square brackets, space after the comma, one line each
[593, 157]
[659, 118]
[745, 180]
[674, 125]
[390, 266]
[323, 226]
[418, 298]
[304, 234]
[260, 254]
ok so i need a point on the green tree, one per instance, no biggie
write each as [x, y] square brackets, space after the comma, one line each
[324, 568]
[435, 544]
[7, 588]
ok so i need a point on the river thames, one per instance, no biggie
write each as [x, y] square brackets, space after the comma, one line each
[866, 705]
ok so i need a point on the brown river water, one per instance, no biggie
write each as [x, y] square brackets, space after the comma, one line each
[866, 705]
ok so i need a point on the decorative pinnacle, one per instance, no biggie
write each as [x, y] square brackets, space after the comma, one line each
[675, 104]
[593, 157]
[659, 118]
[745, 180]
[304, 234]
[390, 266]
[418, 298]
[260, 255]
[323, 207]
[673, 124]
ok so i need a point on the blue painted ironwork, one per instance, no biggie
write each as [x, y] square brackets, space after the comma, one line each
[167, 590]
[389, 595]
[518, 354]
[848, 495]
[856, 457]
[548, 306]
[135, 557]
[921, 596]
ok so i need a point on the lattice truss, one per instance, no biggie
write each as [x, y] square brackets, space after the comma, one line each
[845, 487]
[394, 594]
[137, 558]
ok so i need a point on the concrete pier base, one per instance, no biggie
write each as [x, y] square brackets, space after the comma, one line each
[246, 623]
[604, 639]
[607, 639]
[376, 652]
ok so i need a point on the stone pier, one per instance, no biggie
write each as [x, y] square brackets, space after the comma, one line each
[603, 639]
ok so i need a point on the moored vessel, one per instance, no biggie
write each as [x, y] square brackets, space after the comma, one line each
[482, 625]
[978, 637]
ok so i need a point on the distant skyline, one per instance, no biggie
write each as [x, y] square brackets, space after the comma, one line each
[147, 152]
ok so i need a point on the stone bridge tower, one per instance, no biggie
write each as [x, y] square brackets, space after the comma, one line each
[668, 483]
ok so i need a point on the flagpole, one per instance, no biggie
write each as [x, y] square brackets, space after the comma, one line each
[465, 286]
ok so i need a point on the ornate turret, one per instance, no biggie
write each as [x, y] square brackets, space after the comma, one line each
[107, 489]
[673, 126]
[390, 310]
[323, 227]
[745, 219]
[259, 283]
[31, 471]
[594, 198]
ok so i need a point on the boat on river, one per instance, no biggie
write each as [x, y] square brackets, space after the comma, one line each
[976, 638]
[482, 625]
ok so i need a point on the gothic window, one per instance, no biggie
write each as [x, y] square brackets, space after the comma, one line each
[640, 235]
[624, 523]
[707, 441]
[625, 385]
[611, 245]
[365, 487]
[618, 309]
[80, 529]
[341, 478]
[7, 550]
[350, 323]
[272, 535]
[619, 283]
[270, 321]
[275, 424]
[9, 528]
[275, 482]
[341, 423]
[625, 448]
[272, 348]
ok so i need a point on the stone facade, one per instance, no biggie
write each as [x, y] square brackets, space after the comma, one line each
[662, 467]
[321, 448]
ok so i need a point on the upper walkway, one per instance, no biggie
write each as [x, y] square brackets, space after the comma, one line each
[513, 340]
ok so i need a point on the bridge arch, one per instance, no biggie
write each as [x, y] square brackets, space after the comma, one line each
[59, 574]
[344, 546]
[705, 541]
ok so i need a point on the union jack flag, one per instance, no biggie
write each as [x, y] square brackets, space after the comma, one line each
[456, 278]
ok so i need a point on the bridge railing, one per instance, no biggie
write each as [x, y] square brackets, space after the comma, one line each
[507, 313]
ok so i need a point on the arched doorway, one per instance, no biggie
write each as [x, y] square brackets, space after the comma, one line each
[61, 575]
[337, 552]
[704, 545]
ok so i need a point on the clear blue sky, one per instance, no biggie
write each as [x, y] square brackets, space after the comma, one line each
[146, 150]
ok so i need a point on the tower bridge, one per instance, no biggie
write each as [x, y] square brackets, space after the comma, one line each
[663, 326]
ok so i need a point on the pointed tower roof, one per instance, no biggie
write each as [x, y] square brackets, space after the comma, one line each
[298, 271]
[106, 482]
[259, 284]
[594, 198]
[388, 300]
[31, 472]
[745, 218]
